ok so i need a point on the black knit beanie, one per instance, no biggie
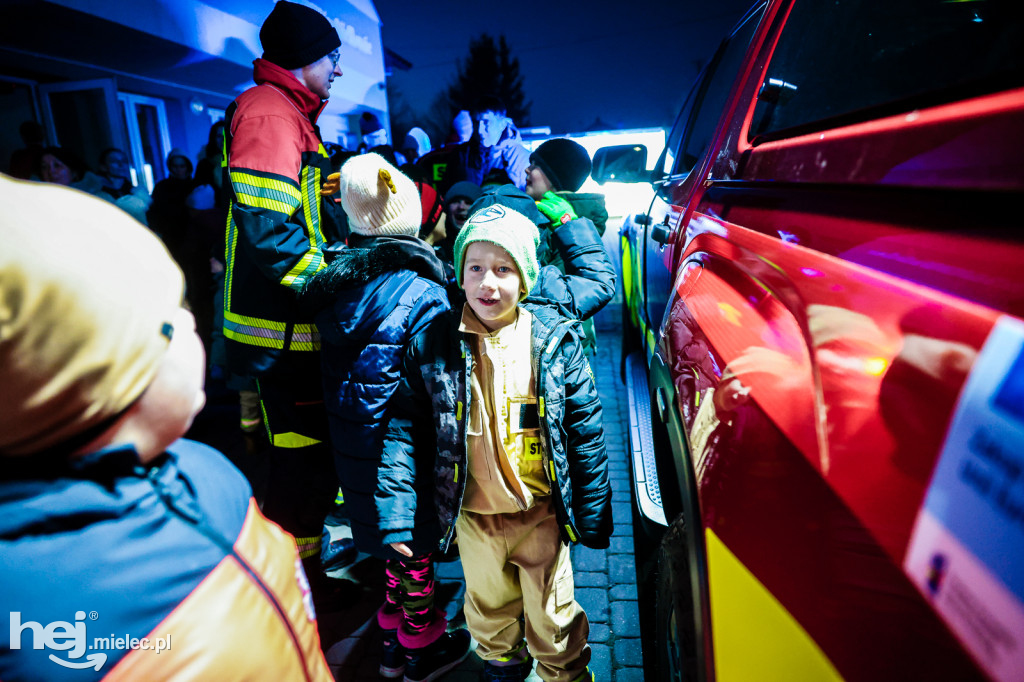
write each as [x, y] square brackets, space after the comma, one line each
[368, 123]
[464, 189]
[294, 35]
[566, 163]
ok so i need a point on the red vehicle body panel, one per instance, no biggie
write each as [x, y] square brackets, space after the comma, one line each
[847, 279]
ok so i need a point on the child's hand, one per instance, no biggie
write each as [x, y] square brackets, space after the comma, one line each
[331, 185]
[402, 549]
[558, 210]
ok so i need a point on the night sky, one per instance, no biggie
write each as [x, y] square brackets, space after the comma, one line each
[628, 63]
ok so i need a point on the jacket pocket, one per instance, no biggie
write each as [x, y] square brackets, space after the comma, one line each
[523, 415]
[478, 464]
[563, 602]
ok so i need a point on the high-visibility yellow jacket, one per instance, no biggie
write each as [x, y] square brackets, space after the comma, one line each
[277, 223]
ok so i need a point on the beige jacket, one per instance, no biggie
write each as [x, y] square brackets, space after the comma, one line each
[503, 441]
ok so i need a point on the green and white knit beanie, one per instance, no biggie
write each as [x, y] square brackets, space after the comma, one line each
[508, 229]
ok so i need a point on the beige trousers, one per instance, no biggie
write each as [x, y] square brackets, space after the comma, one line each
[517, 570]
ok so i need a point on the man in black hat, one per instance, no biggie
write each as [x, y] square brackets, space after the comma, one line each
[278, 227]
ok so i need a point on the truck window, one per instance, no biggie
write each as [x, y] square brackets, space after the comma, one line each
[712, 94]
[668, 161]
[844, 61]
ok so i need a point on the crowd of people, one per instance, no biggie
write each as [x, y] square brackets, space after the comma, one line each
[408, 332]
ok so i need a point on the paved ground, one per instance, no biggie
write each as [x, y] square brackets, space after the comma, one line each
[605, 580]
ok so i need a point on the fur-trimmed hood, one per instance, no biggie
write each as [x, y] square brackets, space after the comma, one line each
[366, 259]
[378, 295]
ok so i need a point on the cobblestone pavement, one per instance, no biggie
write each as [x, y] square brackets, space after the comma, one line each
[605, 580]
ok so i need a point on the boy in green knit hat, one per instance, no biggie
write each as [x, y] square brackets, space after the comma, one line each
[501, 405]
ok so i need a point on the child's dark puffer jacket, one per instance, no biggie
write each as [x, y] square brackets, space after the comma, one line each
[425, 451]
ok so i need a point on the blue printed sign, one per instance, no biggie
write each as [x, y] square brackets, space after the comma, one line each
[966, 554]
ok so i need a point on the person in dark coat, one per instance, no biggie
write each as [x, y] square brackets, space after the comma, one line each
[182, 231]
[168, 213]
[557, 170]
[373, 297]
[209, 169]
[436, 228]
[116, 184]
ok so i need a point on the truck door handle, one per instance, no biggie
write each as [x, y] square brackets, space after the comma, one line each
[659, 233]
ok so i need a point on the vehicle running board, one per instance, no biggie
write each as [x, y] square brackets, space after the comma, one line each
[641, 442]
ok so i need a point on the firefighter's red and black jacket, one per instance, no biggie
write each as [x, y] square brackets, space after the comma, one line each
[278, 224]
[101, 553]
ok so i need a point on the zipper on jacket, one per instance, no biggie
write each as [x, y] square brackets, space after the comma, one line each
[199, 523]
[460, 423]
[467, 357]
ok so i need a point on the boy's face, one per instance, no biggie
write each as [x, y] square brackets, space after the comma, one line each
[53, 170]
[458, 211]
[537, 182]
[180, 168]
[490, 125]
[115, 164]
[492, 284]
[730, 395]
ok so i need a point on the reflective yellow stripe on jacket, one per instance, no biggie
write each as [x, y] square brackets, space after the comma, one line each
[267, 193]
[268, 333]
[312, 261]
[291, 202]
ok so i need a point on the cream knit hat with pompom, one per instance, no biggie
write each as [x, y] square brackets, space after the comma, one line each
[378, 198]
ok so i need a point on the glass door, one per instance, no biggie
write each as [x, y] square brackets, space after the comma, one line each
[145, 120]
[83, 117]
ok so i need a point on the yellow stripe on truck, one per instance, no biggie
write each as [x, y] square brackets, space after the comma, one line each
[755, 637]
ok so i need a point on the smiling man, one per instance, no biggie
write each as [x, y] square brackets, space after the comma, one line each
[278, 226]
